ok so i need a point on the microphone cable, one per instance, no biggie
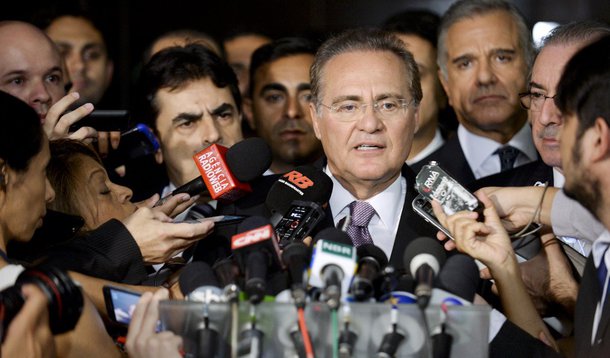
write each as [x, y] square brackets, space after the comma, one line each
[306, 339]
[334, 317]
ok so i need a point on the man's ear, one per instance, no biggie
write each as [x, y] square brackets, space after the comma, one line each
[159, 156]
[3, 176]
[601, 138]
[247, 108]
[313, 113]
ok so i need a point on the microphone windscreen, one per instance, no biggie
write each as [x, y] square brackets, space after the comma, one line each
[334, 235]
[249, 159]
[252, 222]
[194, 275]
[304, 183]
[370, 250]
[460, 276]
[424, 245]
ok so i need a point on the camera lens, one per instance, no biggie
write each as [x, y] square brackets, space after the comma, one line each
[65, 299]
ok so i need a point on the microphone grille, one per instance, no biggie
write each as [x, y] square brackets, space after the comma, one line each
[249, 159]
[196, 274]
[424, 245]
[334, 235]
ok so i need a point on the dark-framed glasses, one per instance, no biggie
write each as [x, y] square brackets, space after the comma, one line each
[533, 100]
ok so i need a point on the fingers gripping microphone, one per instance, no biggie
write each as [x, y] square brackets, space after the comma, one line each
[371, 260]
[225, 172]
[333, 264]
[256, 249]
[423, 258]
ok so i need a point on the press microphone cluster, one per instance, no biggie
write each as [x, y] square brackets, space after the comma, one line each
[225, 172]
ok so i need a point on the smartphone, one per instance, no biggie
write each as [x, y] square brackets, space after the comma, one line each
[104, 121]
[220, 220]
[298, 222]
[423, 207]
[120, 304]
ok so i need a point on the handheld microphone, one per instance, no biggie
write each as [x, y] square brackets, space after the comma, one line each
[333, 264]
[295, 201]
[225, 172]
[227, 273]
[371, 260]
[459, 276]
[256, 249]
[424, 257]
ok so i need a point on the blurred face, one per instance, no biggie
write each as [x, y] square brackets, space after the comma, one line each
[30, 67]
[485, 73]
[280, 111]
[102, 200]
[547, 122]
[239, 51]
[82, 47]
[24, 198]
[434, 99]
[580, 184]
[192, 118]
[370, 151]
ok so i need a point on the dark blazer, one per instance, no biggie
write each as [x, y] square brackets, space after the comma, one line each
[586, 304]
[525, 175]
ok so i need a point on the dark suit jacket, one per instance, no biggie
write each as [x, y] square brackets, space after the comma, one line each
[586, 304]
[524, 175]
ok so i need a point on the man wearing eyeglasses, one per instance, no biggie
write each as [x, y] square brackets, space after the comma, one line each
[365, 96]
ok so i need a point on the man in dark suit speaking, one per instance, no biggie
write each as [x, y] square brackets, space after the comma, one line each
[366, 91]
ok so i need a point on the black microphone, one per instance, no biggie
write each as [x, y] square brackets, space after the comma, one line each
[225, 172]
[371, 261]
[459, 276]
[296, 259]
[256, 249]
[424, 257]
[198, 283]
[227, 273]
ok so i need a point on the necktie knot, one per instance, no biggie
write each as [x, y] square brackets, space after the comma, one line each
[508, 155]
[361, 214]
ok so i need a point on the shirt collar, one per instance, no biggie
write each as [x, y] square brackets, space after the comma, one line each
[599, 247]
[478, 148]
[384, 203]
[434, 144]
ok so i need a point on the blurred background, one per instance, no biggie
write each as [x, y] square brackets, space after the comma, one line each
[132, 25]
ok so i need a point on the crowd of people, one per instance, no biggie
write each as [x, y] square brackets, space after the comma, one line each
[527, 129]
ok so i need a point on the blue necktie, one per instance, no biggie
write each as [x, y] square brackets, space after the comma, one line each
[602, 273]
[508, 155]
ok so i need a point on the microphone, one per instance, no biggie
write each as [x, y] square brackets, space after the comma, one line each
[424, 257]
[225, 172]
[295, 200]
[459, 276]
[227, 273]
[371, 260]
[256, 249]
[296, 258]
[198, 284]
[333, 264]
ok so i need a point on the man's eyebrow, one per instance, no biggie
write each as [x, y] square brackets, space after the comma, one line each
[185, 116]
[347, 98]
[272, 87]
[533, 84]
[504, 51]
[223, 107]
[94, 45]
[304, 87]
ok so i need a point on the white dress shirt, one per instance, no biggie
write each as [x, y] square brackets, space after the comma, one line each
[436, 143]
[479, 151]
[388, 207]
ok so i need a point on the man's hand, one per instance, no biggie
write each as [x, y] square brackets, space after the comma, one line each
[142, 341]
[57, 124]
[29, 334]
[102, 141]
[173, 206]
[158, 238]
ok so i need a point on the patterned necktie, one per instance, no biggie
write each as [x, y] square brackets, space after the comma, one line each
[508, 155]
[361, 213]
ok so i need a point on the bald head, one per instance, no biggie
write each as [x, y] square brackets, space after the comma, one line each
[30, 66]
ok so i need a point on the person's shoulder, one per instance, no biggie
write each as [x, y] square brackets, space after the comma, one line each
[532, 173]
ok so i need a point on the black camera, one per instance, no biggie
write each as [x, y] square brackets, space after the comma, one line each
[65, 299]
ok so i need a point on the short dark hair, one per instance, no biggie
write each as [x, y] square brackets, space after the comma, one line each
[63, 173]
[421, 23]
[21, 134]
[464, 9]
[190, 36]
[175, 67]
[577, 31]
[584, 87]
[284, 47]
[365, 39]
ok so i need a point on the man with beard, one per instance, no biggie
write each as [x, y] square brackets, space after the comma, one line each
[279, 96]
[484, 54]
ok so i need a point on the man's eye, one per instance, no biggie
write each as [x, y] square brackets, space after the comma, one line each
[504, 58]
[17, 81]
[186, 124]
[388, 106]
[274, 98]
[306, 97]
[463, 64]
[92, 55]
[54, 78]
[536, 95]
[224, 117]
[347, 107]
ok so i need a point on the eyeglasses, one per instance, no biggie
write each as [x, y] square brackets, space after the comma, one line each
[387, 108]
[533, 101]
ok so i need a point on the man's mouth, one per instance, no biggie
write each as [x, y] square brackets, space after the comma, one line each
[368, 147]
